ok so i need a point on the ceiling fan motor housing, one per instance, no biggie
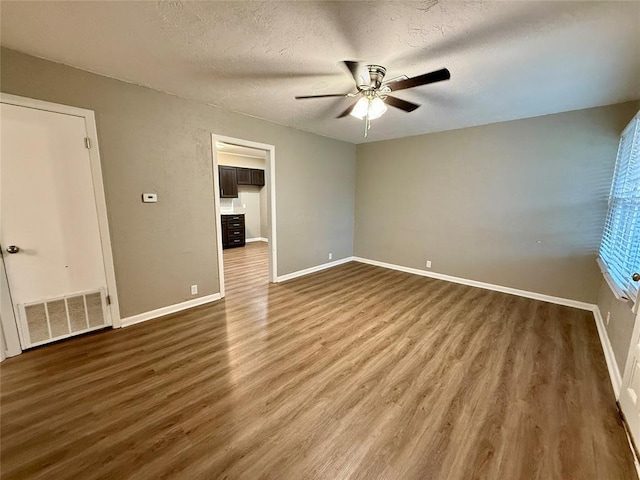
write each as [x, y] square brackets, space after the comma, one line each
[376, 75]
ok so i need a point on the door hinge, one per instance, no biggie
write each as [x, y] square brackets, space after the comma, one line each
[108, 299]
[87, 142]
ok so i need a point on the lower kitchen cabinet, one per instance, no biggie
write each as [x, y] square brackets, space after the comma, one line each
[233, 231]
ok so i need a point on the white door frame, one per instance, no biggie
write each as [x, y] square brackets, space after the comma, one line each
[635, 338]
[98, 187]
[271, 203]
[10, 338]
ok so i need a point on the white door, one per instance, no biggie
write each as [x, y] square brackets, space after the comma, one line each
[49, 229]
[630, 391]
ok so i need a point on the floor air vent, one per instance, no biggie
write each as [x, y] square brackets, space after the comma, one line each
[63, 317]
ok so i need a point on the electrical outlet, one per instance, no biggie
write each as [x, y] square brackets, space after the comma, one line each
[428, 263]
[330, 256]
[194, 289]
[608, 317]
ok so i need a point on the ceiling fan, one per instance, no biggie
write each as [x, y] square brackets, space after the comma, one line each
[374, 94]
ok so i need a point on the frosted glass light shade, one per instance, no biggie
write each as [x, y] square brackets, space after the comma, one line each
[361, 108]
[375, 108]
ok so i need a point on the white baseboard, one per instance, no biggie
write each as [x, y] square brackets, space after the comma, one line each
[612, 364]
[256, 239]
[160, 312]
[487, 286]
[317, 268]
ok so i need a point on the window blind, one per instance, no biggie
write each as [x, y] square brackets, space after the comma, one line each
[620, 247]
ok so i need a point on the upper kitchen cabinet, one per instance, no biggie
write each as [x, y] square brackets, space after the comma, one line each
[244, 176]
[231, 177]
[257, 177]
[228, 182]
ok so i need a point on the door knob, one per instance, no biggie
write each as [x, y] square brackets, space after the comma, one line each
[636, 277]
[12, 249]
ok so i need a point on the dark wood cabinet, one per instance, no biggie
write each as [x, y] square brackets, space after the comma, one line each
[231, 177]
[228, 182]
[244, 176]
[257, 177]
[233, 231]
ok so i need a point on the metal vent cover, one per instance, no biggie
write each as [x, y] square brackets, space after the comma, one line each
[57, 318]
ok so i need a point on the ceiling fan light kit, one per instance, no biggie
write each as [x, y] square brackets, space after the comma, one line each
[369, 107]
[374, 94]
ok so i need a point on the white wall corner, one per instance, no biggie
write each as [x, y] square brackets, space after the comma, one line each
[612, 364]
[161, 312]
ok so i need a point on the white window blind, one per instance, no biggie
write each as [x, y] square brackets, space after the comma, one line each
[620, 248]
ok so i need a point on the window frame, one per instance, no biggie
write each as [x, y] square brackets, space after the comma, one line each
[621, 204]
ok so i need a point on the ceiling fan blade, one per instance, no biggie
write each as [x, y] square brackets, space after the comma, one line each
[437, 76]
[348, 110]
[301, 97]
[359, 72]
[401, 104]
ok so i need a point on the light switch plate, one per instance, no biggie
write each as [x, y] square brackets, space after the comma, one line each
[150, 197]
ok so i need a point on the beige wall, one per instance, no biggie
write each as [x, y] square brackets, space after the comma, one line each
[519, 204]
[151, 141]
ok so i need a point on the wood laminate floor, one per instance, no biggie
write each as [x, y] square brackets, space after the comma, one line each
[354, 372]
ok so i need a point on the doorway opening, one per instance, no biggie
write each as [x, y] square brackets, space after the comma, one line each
[244, 191]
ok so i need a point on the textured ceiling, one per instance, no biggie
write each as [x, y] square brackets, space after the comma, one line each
[507, 60]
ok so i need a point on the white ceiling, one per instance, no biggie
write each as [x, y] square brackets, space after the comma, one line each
[507, 60]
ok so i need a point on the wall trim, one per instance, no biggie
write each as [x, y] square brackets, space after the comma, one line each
[161, 312]
[317, 268]
[612, 364]
[256, 239]
[487, 286]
